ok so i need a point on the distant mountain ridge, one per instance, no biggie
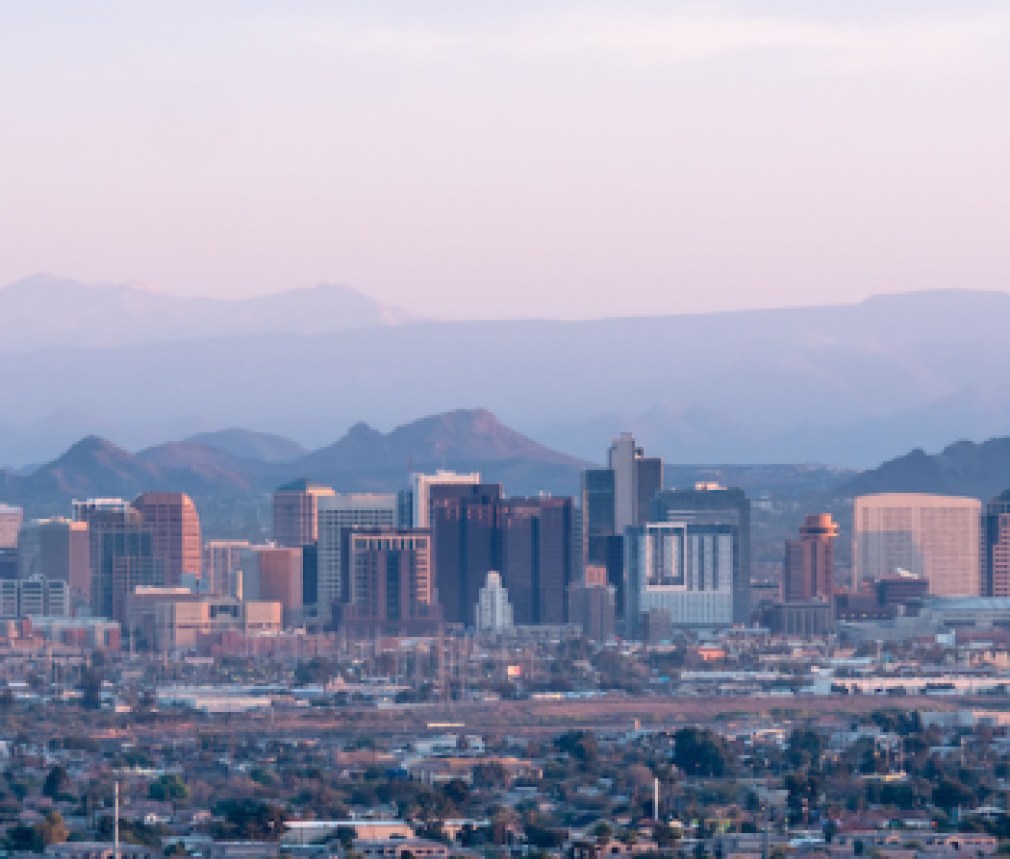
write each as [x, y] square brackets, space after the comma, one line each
[963, 468]
[363, 459]
[44, 311]
[846, 385]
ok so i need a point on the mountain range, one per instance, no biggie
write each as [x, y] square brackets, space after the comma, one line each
[850, 385]
[239, 467]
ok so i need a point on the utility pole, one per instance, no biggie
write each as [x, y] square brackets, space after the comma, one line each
[115, 823]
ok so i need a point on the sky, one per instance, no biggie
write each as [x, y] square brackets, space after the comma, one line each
[490, 160]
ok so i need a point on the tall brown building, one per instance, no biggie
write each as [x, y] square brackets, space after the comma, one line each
[810, 561]
[391, 582]
[296, 513]
[175, 530]
[57, 549]
[274, 574]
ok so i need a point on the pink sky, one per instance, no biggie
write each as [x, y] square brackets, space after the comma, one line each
[564, 159]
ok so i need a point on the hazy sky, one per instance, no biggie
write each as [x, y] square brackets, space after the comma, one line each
[515, 158]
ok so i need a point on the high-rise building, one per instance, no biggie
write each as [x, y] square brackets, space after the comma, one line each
[338, 515]
[996, 547]
[221, 560]
[57, 549]
[274, 574]
[637, 479]
[536, 557]
[612, 499]
[809, 570]
[420, 492]
[728, 512]
[391, 582]
[122, 554]
[466, 543]
[175, 530]
[493, 612]
[295, 509]
[683, 569]
[933, 536]
[10, 524]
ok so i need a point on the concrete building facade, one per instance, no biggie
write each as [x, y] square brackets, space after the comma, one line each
[933, 536]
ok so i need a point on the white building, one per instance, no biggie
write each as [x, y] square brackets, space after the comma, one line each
[933, 536]
[222, 559]
[683, 569]
[338, 514]
[420, 489]
[493, 612]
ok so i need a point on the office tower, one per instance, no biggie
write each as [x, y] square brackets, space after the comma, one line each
[809, 571]
[592, 604]
[175, 530]
[493, 612]
[637, 479]
[536, 557]
[709, 504]
[996, 547]
[933, 536]
[420, 492]
[338, 514]
[221, 560]
[685, 570]
[295, 509]
[274, 574]
[612, 499]
[466, 544]
[122, 554]
[10, 524]
[57, 549]
[390, 583]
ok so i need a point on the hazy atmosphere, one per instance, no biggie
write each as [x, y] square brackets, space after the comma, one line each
[570, 159]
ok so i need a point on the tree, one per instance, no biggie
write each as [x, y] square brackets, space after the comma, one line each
[91, 689]
[168, 788]
[52, 830]
[57, 783]
[698, 751]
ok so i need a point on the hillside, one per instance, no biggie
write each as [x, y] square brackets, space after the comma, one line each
[225, 485]
[963, 468]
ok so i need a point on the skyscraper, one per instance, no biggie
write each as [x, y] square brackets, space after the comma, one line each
[390, 583]
[612, 499]
[122, 553]
[466, 544]
[709, 504]
[295, 512]
[996, 547]
[420, 492]
[536, 557]
[338, 514]
[175, 529]
[637, 478]
[809, 571]
[933, 536]
[682, 569]
[58, 550]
